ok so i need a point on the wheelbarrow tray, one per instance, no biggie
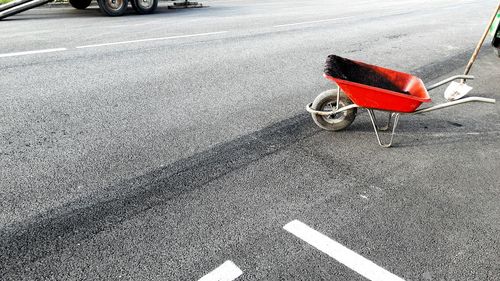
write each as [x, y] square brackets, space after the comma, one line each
[375, 87]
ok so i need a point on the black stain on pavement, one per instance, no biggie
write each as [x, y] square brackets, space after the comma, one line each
[455, 124]
[52, 232]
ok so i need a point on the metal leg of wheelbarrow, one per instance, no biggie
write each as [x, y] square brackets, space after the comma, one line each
[386, 127]
[376, 129]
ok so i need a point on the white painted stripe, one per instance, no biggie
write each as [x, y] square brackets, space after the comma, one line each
[228, 271]
[31, 52]
[151, 39]
[314, 21]
[342, 254]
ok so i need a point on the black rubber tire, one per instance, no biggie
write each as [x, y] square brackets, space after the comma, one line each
[496, 40]
[113, 8]
[144, 7]
[80, 4]
[325, 101]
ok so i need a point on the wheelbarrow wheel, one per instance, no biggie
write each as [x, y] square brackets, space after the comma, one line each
[327, 101]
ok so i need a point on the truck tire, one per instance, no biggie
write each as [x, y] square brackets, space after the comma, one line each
[113, 8]
[143, 7]
[80, 4]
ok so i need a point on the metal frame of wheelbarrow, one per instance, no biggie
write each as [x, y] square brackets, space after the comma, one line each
[396, 115]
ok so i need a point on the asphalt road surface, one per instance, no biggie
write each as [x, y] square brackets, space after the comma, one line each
[176, 146]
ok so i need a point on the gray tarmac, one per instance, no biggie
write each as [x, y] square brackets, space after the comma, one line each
[157, 147]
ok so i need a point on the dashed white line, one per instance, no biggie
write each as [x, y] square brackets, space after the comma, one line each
[151, 39]
[228, 271]
[31, 52]
[314, 21]
[342, 254]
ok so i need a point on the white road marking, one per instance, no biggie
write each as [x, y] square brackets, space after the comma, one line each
[151, 39]
[228, 271]
[314, 21]
[342, 254]
[31, 52]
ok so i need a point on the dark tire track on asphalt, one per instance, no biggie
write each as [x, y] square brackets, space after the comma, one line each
[50, 232]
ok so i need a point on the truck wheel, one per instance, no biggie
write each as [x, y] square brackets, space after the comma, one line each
[144, 6]
[80, 4]
[113, 8]
[327, 101]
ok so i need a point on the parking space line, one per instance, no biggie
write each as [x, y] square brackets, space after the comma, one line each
[31, 52]
[228, 271]
[314, 21]
[151, 39]
[342, 254]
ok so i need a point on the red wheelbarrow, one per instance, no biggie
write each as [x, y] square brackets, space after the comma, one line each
[374, 88]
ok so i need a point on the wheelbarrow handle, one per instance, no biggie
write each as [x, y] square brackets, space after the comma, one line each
[456, 77]
[453, 103]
